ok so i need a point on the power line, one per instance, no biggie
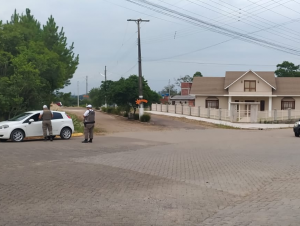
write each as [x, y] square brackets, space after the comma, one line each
[210, 63]
[213, 27]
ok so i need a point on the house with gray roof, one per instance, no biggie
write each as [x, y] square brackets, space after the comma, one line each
[241, 88]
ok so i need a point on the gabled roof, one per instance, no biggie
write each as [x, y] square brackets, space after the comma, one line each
[208, 86]
[233, 76]
[287, 86]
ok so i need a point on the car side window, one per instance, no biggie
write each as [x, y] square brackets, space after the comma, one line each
[35, 117]
[57, 115]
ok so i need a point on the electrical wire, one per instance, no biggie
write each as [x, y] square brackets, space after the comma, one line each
[213, 27]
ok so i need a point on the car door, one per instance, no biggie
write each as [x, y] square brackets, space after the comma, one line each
[57, 122]
[35, 128]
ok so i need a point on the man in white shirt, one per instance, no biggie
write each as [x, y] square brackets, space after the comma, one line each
[89, 123]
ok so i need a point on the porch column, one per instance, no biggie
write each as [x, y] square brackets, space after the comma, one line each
[270, 106]
[229, 105]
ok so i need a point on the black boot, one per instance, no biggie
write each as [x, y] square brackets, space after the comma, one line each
[91, 141]
[51, 138]
[85, 141]
[45, 139]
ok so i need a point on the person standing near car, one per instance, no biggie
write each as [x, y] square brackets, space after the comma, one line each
[89, 123]
[47, 115]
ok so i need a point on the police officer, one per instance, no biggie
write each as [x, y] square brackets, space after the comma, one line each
[47, 116]
[89, 122]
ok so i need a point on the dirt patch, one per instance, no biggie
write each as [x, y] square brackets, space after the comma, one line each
[108, 123]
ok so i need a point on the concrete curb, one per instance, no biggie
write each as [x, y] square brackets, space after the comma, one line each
[77, 134]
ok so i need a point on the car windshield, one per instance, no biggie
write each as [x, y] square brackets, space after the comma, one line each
[20, 117]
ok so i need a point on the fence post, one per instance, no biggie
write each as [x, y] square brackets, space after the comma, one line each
[167, 108]
[289, 114]
[182, 109]
[208, 112]
[175, 108]
[220, 114]
[275, 114]
[190, 110]
[156, 107]
[198, 111]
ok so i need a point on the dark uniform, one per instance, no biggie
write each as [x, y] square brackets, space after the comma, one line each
[47, 116]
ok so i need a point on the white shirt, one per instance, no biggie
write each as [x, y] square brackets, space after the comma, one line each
[87, 113]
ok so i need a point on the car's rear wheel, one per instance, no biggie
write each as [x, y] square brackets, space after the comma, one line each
[297, 134]
[3, 140]
[66, 133]
[17, 135]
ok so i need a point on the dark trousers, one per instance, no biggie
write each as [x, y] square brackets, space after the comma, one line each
[47, 125]
[89, 131]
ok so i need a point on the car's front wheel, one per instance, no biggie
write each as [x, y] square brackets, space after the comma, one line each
[17, 135]
[66, 133]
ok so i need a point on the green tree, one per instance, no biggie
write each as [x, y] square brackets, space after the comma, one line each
[198, 74]
[287, 69]
[34, 62]
[125, 92]
[181, 79]
[65, 98]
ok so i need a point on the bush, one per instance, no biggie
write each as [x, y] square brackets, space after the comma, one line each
[125, 114]
[104, 109]
[97, 108]
[117, 110]
[78, 124]
[136, 116]
[145, 118]
[110, 110]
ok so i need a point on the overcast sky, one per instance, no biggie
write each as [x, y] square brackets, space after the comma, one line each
[102, 36]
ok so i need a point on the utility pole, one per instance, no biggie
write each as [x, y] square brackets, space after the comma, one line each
[105, 86]
[78, 93]
[169, 92]
[86, 91]
[141, 107]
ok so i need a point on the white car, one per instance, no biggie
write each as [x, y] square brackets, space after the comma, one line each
[28, 124]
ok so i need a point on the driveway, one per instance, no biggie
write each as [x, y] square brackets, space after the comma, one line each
[169, 177]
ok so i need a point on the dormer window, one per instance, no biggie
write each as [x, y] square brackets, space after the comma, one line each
[250, 86]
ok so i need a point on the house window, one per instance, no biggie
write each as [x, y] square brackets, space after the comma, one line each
[212, 104]
[249, 86]
[287, 104]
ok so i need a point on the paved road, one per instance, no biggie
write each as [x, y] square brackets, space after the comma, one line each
[175, 177]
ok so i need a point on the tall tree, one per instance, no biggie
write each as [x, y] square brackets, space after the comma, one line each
[36, 60]
[287, 69]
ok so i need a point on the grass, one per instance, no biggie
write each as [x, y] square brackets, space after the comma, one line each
[78, 123]
[79, 126]
[226, 127]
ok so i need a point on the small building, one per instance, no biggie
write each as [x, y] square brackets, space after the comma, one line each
[185, 98]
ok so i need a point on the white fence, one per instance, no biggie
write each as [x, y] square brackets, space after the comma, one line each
[278, 115]
[219, 114]
[225, 115]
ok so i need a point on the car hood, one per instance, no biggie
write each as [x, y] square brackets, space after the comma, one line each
[9, 123]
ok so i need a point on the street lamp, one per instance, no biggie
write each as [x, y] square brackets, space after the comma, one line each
[104, 88]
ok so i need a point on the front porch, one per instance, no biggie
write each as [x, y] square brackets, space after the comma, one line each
[244, 103]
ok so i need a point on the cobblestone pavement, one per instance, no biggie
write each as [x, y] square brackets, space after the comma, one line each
[189, 177]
